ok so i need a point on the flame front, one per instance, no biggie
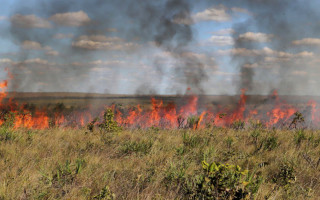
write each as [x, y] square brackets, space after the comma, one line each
[160, 114]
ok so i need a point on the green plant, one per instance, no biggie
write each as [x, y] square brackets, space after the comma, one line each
[255, 136]
[105, 193]
[238, 125]
[298, 119]
[143, 147]
[285, 175]
[6, 134]
[256, 124]
[270, 143]
[229, 142]
[193, 121]
[175, 174]
[191, 141]
[64, 173]
[299, 137]
[109, 124]
[224, 181]
[91, 125]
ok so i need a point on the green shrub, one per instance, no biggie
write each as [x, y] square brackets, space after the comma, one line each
[193, 121]
[224, 181]
[106, 194]
[6, 134]
[229, 142]
[64, 174]
[285, 175]
[238, 125]
[270, 143]
[299, 137]
[191, 141]
[109, 124]
[143, 147]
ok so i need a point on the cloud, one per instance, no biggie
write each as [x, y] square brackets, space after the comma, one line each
[218, 14]
[73, 19]
[100, 38]
[222, 73]
[267, 52]
[100, 42]
[63, 36]
[221, 40]
[112, 30]
[307, 41]
[256, 37]
[299, 73]
[31, 45]
[5, 60]
[100, 63]
[2, 18]
[38, 61]
[29, 21]
[241, 10]
[227, 31]
[52, 53]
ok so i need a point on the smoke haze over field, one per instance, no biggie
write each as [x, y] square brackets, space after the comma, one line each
[161, 47]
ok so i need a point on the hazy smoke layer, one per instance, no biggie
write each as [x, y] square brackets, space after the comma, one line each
[144, 22]
[287, 21]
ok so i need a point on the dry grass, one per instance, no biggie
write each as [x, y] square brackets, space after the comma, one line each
[150, 164]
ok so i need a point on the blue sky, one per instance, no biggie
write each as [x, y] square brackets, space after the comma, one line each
[160, 47]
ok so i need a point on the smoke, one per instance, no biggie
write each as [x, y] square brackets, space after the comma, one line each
[287, 21]
[144, 22]
[159, 23]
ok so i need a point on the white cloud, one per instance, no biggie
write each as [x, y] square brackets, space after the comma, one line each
[307, 41]
[63, 36]
[73, 19]
[221, 40]
[31, 45]
[99, 42]
[218, 14]
[5, 60]
[2, 18]
[267, 52]
[228, 31]
[52, 53]
[241, 10]
[36, 61]
[256, 37]
[29, 21]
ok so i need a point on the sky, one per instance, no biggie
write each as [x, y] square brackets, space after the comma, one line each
[161, 47]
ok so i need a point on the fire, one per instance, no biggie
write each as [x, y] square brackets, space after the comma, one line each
[159, 114]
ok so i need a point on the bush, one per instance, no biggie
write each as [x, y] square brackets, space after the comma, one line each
[224, 181]
[285, 175]
[106, 194]
[191, 141]
[299, 137]
[270, 143]
[193, 121]
[238, 125]
[143, 147]
[6, 134]
[109, 124]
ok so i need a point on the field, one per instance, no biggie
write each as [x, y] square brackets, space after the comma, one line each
[154, 163]
[106, 161]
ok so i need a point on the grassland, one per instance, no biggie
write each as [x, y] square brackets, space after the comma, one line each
[156, 164]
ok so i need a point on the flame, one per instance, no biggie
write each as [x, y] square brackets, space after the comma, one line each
[159, 114]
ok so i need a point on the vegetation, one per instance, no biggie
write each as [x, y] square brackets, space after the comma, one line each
[208, 163]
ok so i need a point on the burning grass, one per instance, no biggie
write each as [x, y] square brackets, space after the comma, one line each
[159, 163]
